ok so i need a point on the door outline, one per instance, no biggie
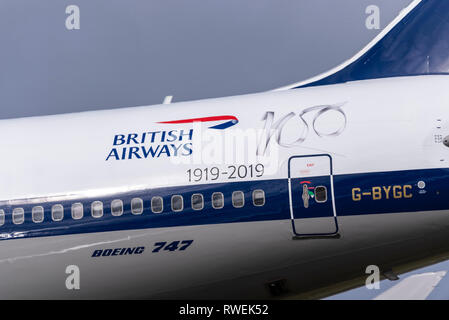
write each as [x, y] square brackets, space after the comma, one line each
[331, 177]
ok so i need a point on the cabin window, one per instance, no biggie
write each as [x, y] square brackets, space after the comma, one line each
[238, 199]
[217, 200]
[157, 205]
[258, 198]
[177, 203]
[197, 201]
[320, 194]
[57, 212]
[77, 210]
[37, 214]
[96, 209]
[117, 207]
[136, 206]
[2, 217]
[18, 216]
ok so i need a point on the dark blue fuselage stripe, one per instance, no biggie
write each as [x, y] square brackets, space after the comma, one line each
[355, 194]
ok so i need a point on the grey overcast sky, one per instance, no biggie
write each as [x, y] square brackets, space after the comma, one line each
[135, 52]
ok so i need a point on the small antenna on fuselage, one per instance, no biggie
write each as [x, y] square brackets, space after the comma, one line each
[167, 100]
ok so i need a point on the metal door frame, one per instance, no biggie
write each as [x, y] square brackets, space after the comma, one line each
[331, 176]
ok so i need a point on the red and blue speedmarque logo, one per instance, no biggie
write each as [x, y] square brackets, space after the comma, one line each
[162, 143]
[229, 121]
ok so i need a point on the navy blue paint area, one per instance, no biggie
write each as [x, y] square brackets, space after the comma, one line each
[434, 196]
[274, 209]
[417, 45]
[225, 125]
[409, 198]
[314, 209]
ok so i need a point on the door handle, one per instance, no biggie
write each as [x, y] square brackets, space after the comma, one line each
[305, 195]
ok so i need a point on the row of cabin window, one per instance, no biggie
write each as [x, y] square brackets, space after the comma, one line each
[157, 206]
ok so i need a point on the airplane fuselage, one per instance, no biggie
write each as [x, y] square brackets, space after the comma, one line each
[227, 198]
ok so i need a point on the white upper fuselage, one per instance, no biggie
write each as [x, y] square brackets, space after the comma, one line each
[390, 125]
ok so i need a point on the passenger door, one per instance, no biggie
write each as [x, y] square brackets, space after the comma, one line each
[311, 196]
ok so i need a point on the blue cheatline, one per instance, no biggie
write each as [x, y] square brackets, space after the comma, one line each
[355, 194]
